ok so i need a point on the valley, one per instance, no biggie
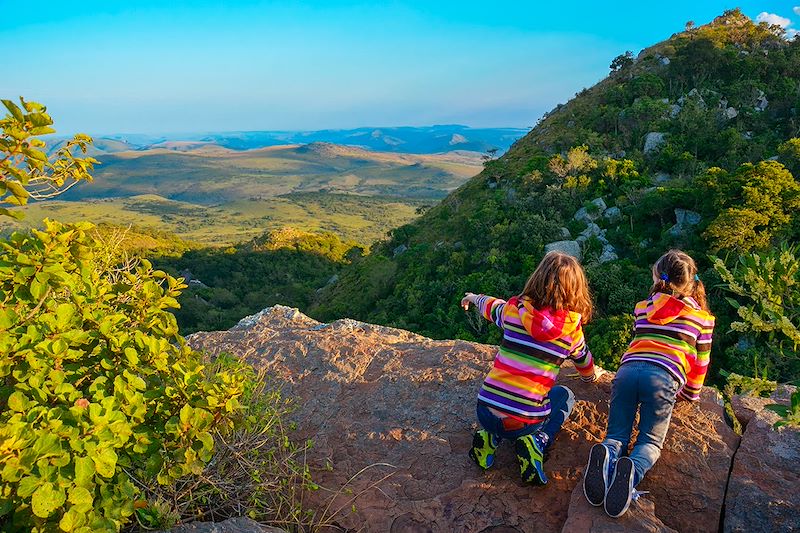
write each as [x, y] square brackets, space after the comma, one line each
[217, 196]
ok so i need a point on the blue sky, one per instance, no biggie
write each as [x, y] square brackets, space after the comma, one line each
[164, 67]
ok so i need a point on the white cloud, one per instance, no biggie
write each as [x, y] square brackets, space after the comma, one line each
[791, 33]
[796, 10]
[773, 19]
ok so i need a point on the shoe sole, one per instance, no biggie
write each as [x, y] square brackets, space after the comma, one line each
[528, 453]
[595, 479]
[618, 497]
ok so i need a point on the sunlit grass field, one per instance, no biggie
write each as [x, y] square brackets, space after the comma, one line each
[215, 196]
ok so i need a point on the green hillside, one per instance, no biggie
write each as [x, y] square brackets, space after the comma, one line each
[680, 143]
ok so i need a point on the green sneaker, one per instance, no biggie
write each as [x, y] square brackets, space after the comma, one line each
[483, 446]
[531, 460]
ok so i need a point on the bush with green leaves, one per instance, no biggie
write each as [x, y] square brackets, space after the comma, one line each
[98, 387]
[790, 414]
[256, 469]
[608, 339]
[26, 171]
[766, 289]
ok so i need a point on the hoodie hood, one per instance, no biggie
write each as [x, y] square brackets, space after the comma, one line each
[663, 308]
[545, 324]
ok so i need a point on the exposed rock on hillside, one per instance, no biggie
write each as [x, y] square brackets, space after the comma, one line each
[572, 248]
[762, 493]
[383, 401]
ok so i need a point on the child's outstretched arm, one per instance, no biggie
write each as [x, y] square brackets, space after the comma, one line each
[697, 374]
[491, 308]
[582, 357]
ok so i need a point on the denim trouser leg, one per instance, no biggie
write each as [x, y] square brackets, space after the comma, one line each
[621, 413]
[657, 394]
[652, 389]
[562, 400]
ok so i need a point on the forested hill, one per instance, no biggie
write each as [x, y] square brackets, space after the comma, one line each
[690, 144]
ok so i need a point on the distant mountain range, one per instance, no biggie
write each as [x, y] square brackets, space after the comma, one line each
[412, 140]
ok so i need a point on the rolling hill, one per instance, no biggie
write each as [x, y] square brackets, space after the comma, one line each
[214, 195]
[408, 139]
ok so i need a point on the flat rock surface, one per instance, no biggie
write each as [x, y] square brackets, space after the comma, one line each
[380, 402]
[584, 518]
[764, 489]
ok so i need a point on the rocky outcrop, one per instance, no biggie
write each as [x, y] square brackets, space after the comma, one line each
[684, 221]
[653, 141]
[572, 248]
[596, 209]
[385, 403]
[763, 491]
[584, 518]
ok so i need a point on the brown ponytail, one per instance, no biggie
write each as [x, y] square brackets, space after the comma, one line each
[676, 274]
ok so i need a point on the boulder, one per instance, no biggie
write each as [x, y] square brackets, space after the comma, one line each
[609, 254]
[594, 212]
[761, 101]
[653, 141]
[399, 250]
[695, 96]
[763, 491]
[572, 248]
[378, 402]
[684, 217]
[661, 177]
[600, 204]
[592, 230]
[730, 113]
[674, 110]
[613, 215]
[685, 220]
[565, 234]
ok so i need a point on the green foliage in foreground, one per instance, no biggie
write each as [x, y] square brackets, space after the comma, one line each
[25, 170]
[766, 296]
[790, 414]
[98, 385]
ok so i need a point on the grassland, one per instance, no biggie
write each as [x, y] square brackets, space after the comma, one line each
[361, 218]
[212, 195]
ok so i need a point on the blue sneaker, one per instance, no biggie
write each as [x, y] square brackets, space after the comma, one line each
[483, 446]
[595, 478]
[620, 492]
[530, 455]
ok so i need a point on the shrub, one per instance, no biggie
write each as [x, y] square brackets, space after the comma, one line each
[609, 338]
[767, 290]
[97, 384]
[25, 170]
[254, 467]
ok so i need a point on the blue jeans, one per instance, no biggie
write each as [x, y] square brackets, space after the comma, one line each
[653, 390]
[562, 400]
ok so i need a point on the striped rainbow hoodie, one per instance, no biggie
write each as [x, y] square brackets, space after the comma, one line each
[675, 334]
[535, 344]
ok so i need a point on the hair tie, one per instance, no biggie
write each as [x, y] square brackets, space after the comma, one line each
[664, 276]
[696, 277]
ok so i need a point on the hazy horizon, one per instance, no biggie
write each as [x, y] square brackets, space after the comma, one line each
[193, 67]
